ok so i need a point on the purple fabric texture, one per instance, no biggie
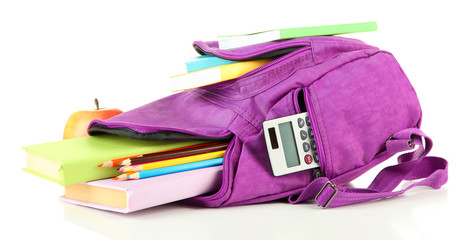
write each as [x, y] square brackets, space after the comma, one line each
[356, 95]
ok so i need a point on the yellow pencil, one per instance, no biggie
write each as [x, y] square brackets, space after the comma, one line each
[174, 161]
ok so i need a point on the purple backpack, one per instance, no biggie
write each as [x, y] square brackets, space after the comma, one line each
[362, 109]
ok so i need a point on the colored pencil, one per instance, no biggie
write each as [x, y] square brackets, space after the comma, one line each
[116, 162]
[172, 162]
[177, 168]
[123, 176]
[175, 154]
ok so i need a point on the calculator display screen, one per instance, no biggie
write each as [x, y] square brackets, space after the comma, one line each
[289, 144]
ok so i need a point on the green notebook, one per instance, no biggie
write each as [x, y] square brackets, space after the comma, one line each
[76, 160]
[229, 42]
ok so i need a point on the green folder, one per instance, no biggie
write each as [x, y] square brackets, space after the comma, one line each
[76, 160]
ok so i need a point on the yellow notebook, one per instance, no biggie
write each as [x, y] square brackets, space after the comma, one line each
[214, 75]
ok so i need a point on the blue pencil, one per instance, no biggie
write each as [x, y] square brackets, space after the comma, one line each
[177, 168]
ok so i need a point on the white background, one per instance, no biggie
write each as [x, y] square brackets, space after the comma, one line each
[57, 56]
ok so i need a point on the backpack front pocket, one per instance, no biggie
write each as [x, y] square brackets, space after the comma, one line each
[357, 107]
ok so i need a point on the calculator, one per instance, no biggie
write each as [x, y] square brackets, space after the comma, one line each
[290, 144]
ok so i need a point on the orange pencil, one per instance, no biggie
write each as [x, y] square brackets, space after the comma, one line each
[123, 177]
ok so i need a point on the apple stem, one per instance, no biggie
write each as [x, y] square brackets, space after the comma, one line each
[97, 104]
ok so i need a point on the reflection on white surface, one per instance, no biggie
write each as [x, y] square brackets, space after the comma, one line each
[415, 216]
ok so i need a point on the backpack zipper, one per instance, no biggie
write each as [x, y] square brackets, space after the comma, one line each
[280, 49]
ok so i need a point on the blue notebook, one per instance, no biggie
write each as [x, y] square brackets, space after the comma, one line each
[206, 61]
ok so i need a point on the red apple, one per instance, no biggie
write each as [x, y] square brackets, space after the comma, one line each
[77, 123]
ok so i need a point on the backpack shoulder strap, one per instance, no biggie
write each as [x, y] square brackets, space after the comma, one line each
[413, 165]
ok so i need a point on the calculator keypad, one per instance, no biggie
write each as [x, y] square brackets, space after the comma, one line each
[310, 143]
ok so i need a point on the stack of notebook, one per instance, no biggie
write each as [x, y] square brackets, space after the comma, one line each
[165, 171]
[125, 175]
[208, 69]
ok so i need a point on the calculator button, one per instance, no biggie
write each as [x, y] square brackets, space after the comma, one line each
[313, 145]
[303, 134]
[308, 159]
[311, 133]
[306, 147]
[301, 122]
[316, 157]
[307, 121]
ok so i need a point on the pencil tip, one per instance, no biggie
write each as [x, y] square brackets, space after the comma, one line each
[125, 162]
[106, 164]
[121, 177]
[132, 176]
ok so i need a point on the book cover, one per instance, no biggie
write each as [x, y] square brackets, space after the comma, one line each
[134, 195]
[214, 75]
[206, 61]
[229, 42]
[76, 160]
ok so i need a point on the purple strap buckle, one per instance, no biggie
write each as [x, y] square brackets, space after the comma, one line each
[334, 187]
